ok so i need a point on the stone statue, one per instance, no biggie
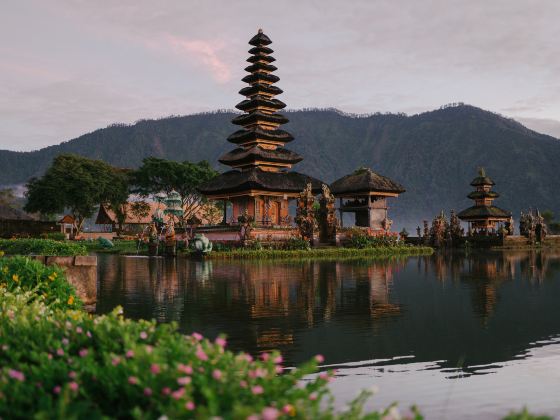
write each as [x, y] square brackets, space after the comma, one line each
[305, 214]
[327, 216]
[438, 230]
[170, 240]
[153, 239]
[202, 244]
[245, 227]
[540, 228]
[426, 235]
[418, 232]
[509, 227]
[455, 232]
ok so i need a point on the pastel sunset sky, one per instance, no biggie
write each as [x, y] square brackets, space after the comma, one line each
[69, 66]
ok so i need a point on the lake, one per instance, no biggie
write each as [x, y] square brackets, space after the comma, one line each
[461, 335]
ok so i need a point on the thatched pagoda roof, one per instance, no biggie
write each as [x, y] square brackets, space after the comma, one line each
[256, 116]
[482, 179]
[245, 136]
[364, 180]
[261, 78]
[258, 88]
[260, 67]
[255, 58]
[239, 156]
[260, 39]
[261, 51]
[255, 101]
[256, 179]
[483, 194]
[483, 212]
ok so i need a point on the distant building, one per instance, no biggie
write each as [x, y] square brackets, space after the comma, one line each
[484, 218]
[365, 194]
[260, 183]
[133, 223]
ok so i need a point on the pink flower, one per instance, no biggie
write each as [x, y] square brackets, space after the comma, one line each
[79, 330]
[253, 417]
[184, 380]
[116, 361]
[197, 336]
[313, 396]
[49, 356]
[278, 360]
[185, 369]
[189, 406]
[130, 354]
[83, 352]
[270, 413]
[88, 334]
[65, 341]
[74, 386]
[132, 380]
[221, 341]
[72, 375]
[16, 374]
[287, 409]
[143, 335]
[149, 349]
[178, 394]
[248, 358]
[217, 374]
[56, 389]
[147, 392]
[155, 369]
[201, 355]
[166, 390]
[257, 389]
[279, 369]
[265, 357]
[319, 358]
[60, 352]
[243, 384]
[324, 376]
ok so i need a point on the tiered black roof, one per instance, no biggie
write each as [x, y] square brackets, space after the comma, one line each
[260, 154]
[478, 212]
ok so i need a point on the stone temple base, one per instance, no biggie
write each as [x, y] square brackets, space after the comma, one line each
[231, 234]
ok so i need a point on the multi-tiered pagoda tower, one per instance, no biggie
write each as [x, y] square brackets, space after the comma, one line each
[259, 183]
[484, 217]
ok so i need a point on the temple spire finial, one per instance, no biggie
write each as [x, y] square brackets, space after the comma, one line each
[260, 31]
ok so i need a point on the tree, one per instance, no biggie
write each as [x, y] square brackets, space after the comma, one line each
[548, 216]
[78, 184]
[159, 175]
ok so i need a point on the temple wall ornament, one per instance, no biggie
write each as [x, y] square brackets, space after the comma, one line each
[328, 221]
[305, 214]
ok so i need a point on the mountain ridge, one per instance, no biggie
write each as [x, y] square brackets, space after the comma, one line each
[434, 154]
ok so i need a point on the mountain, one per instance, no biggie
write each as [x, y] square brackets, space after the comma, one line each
[434, 155]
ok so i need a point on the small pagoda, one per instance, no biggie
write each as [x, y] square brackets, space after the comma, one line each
[484, 218]
[364, 193]
[260, 185]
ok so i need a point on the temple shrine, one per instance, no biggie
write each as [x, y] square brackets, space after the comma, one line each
[484, 218]
[260, 183]
[365, 194]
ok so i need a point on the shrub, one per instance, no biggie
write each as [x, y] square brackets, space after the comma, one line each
[41, 247]
[294, 244]
[46, 282]
[55, 236]
[69, 364]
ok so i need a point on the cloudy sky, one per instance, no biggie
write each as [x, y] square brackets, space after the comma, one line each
[69, 67]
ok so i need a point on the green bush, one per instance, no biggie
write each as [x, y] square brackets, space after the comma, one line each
[55, 236]
[360, 239]
[41, 247]
[294, 244]
[67, 364]
[46, 282]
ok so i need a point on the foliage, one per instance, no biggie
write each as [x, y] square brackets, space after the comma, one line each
[359, 238]
[293, 244]
[41, 247]
[45, 283]
[78, 184]
[159, 175]
[525, 415]
[55, 236]
[324, 253]
[135, 210]
[67, 364]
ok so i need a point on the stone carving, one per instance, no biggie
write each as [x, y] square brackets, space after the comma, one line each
[245, 227]
[328, 222]
[438, 230]
[170, 240]
[455, 232]
[202, 244]
[305, 214]
[533, 226]
[426, 235]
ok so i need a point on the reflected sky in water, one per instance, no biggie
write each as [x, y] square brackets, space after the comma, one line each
[477, 332]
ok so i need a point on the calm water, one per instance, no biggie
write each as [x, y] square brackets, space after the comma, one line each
[462, 336]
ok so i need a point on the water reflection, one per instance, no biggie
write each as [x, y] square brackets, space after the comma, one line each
[452, 310]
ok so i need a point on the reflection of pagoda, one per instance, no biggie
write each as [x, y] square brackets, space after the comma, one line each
[483, 217]
[259, 182]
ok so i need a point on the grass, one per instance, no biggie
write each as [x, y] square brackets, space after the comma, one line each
[41, 247]
[322, 253]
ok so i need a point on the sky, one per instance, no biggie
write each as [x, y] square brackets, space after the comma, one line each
[69, 67]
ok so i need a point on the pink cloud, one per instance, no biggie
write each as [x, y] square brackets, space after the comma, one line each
[206, 52]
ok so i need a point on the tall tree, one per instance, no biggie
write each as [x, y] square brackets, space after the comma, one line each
[77, 184]
[159, 175]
